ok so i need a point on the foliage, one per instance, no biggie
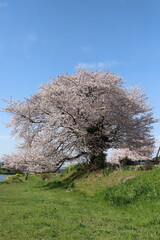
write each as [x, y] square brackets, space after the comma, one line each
[79, 116]
[16, 177]
[74, 167]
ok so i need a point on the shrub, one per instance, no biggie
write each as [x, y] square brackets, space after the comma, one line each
[9, 179]
[16, 177]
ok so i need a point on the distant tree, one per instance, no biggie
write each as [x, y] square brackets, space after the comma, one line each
[81, 116]
[117, 156]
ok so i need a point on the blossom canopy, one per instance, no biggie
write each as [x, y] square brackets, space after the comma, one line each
[81, 116]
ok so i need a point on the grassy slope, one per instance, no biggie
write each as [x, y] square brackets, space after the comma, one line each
[36, 210]
[96, 181]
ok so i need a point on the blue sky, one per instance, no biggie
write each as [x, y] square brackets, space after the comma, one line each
[40, 39]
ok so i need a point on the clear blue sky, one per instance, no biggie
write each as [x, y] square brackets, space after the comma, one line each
[42, 38]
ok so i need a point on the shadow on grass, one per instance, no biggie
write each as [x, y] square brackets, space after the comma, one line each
[68, 182]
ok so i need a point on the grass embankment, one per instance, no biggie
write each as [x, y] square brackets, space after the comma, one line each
[123, 205]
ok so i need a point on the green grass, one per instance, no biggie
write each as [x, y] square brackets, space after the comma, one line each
[75, 206]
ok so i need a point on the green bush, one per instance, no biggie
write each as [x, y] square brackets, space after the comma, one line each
[16, 177]
[9, 179]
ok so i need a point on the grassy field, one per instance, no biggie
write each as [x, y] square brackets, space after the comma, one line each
[123, 205]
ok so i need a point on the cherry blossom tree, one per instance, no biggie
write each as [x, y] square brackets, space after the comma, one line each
[26, 162]
[81, 116]
[118, 155]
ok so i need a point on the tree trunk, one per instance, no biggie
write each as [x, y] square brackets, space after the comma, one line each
[98, 160]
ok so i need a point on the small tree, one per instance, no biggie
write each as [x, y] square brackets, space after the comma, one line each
[81, 115]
